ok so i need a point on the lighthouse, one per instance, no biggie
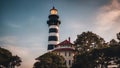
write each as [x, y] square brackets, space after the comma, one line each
[53, 24]
[65, 48]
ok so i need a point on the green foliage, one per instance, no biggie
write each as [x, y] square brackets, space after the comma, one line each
[88, 41]
[118, 36]
[98, 57]
[4, 56]
[50, 60]
[113, 42]
[7, 60]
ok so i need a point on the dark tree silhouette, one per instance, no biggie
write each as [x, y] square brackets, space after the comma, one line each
[113, 42]
[88, 41]
[15, 61]
[118, 37]
[7, 60]
[50, 60]
[99, 57]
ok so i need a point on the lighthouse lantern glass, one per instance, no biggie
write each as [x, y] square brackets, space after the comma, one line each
[53, 11]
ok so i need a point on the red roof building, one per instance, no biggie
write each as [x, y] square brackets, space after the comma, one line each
[67, 50]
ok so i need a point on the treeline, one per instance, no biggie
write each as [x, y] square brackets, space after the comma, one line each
[98, 58]
[92, 51]
[50, 60]
[7, 60]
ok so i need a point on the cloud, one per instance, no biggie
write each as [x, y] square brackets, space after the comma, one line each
[4, 41]
[108, 19]
[13, 25]
[27, 54]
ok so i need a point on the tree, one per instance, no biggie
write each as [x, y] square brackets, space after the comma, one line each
[88, 41]
[98, 58]
[7, 60]
[118, 37]
[113, 42]
[15, 61]
[50, 60]
[83, 61]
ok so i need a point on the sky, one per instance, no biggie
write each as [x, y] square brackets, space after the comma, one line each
[24, 31]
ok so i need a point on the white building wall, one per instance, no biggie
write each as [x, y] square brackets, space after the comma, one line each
[69, 58]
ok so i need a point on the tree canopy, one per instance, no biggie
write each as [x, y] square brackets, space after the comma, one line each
[88, 41]
[98, 57]
[50, 60]
[7, 60]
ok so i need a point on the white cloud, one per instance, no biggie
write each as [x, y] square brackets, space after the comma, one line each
[108, 20]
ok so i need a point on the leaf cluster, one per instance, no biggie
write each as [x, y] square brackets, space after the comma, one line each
[7, 59]
[96, 57]
[50, 60]
[88, 41]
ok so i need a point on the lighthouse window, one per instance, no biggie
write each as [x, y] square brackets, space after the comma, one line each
[53, 38]
[53, 30]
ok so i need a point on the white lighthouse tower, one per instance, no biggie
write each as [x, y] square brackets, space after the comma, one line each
[53, 24]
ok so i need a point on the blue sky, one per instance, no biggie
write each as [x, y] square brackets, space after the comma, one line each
[24, 31]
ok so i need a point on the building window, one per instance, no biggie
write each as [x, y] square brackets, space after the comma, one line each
[69, 53]
[69, 62]
[66, 62]
[65, 53]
